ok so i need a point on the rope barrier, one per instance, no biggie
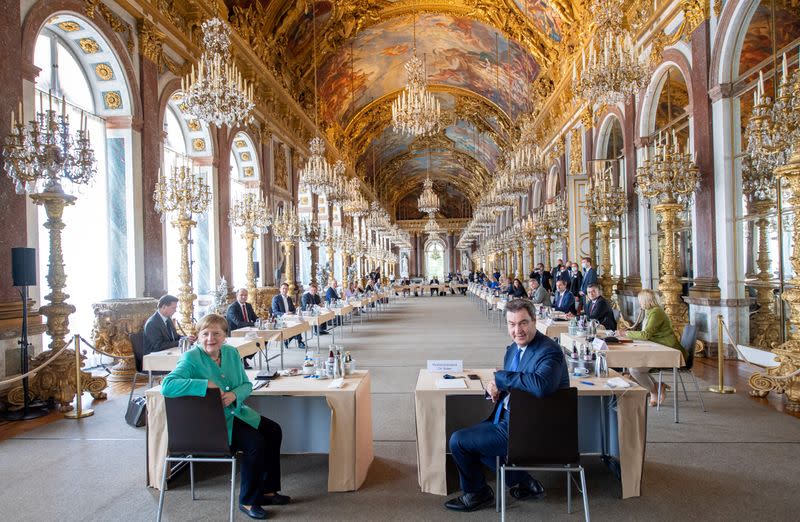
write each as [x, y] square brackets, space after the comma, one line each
[38, 368]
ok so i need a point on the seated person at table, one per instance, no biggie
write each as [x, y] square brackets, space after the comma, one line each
[282, 304]
[331, 294]
[212, 364]
[308, 301]
[656, 327]
[534, 364]
[159, 330]
[517, 290]
[434, 281]
[493, 284]
[240, 314]
[538, 294]
[598, 308]
[563, 300]
[350, 291]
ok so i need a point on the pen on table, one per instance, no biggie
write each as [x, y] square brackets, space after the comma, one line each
[588, 383]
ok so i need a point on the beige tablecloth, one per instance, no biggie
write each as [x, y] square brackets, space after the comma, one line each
[167, 360]
[552, 328]
[343, 310]
[281, 334]
[636, 354]
[351, 451]
[431, 433]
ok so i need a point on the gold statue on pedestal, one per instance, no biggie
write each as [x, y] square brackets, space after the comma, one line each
[114, 321]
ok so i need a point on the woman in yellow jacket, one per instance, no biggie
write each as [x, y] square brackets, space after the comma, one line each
[656, 327]
[213, 364]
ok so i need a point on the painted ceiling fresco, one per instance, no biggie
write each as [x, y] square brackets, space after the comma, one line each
[301, 34]
[453, 204]
[543, 17]
[459, 52]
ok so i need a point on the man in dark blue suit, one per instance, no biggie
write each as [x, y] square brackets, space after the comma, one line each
[589, 277]
[534, 364]
[563, 300]
[282, 304]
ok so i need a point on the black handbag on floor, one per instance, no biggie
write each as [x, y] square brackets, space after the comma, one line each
[136, 415]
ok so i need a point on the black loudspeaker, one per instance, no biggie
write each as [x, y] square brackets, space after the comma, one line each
[23, 266]
[255, 268]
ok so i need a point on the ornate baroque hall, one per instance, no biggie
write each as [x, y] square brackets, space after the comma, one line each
[303, 259]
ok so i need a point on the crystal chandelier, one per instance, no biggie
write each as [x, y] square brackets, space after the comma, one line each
[45, 151]
[432, 228]
[416, 112]
[772, 130]
[670, 176]
[378, 219]
[613, 70]
[217, 93]
[251, 212]
[428, 202]
[316, 174]
[337, 191]
[355, 205]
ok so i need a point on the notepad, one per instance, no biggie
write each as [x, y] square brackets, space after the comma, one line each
[451, 384]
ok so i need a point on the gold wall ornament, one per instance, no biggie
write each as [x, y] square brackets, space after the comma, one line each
[104, 72]
[112, 100]
[69, 26]
[249, 172]
[89, 45]
[240, 143]
[151, 46]
[245, 156]
[576, 153]
[695, 12]
[279, 164]
[198, 144]
[194, 125]
[114, 321]
[118, 25]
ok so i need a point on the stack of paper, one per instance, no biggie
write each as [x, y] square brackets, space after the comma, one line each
[451, 384]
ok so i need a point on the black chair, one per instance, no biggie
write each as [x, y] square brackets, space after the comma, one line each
[543, 436]
[137, 343]
[688, 338]
[196, 432]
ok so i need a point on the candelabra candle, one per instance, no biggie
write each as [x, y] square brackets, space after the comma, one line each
[251, 213]
[181, 193]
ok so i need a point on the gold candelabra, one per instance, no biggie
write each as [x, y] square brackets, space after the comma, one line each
[252, 214]
[39, 155]
[286, 228]
[183, 195]
[670, 178]
[606, 202]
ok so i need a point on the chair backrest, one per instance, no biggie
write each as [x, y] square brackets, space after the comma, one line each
[543, 431]
[196, 425]
[137, 344]
[688, 338]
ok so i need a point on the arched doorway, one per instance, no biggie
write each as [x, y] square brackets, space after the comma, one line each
[434, 259]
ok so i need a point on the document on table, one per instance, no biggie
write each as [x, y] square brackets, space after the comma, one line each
[451, 384]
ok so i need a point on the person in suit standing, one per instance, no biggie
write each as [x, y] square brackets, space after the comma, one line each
[589, 276]
[563, 274]
[575, 280]
[556, 269]
[308, 301]
[282, 304]
[598, 308]
[159, 330]
[544, 277]
[563, 300]
[240, 314]
[534, 364]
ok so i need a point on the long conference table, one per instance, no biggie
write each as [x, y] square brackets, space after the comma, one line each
[314, 419]
[612, 432]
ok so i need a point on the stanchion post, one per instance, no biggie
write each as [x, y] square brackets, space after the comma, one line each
[721, 388]
[78, 412]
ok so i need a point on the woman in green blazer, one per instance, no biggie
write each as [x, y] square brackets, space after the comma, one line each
[212, 364]
[656, 327]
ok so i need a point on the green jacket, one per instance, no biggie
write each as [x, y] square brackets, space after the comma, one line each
[658, 328]
[195, 368]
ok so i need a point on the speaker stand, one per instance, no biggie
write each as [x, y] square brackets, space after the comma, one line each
[30, 410]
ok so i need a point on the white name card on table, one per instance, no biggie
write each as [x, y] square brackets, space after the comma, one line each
[451, 384]
[445, 366]
[599, 344]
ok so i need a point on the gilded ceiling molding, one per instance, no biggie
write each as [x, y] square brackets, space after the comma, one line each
[151, 45]
[408, 185]
[450, 225]
[93, 7]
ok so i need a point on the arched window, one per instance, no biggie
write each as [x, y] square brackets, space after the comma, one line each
[434, 259]
[79, 69]
[245, 177]
[187, 144]
[611, 156]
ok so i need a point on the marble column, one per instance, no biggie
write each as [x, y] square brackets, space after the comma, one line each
[633, 279]
[268, 240]
[152, 146]
[223, 162]
[706, 284]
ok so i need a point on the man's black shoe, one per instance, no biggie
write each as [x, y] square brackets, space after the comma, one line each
[276, 499]
[472, 501]
[256, 512]
[324, 332]
[302, 345]
[528, 489]
[247, 365]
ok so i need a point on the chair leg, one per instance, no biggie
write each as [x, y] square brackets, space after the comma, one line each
[497, 483]
[658, 392]
[233, 485]
[685, 395]
[191, 478]
[163, 489]
[502, 493]
[133, 387]
[585, 495]
[569, 492]
[696, 387]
